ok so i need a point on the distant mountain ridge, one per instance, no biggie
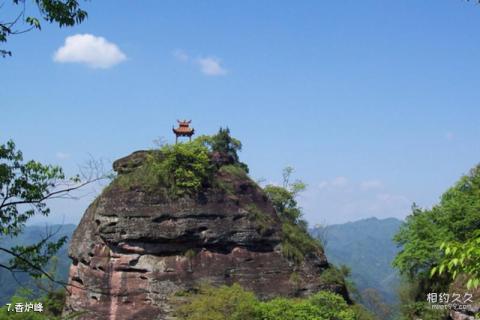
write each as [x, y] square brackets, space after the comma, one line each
[366, 246]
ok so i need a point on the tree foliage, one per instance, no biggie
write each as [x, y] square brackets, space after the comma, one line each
[440, 243]
[223, 142]
[296, 240]
[184, 167]
[284, 198]
[65, 13]
[461, 258]
[25, 188]
[224, 146]
[322, 305]
[419, 238]
[221, 303]
[232, 303]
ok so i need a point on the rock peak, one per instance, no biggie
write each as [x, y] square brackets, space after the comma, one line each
[138, 246]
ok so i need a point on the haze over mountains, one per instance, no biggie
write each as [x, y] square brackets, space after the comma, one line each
[366, 247]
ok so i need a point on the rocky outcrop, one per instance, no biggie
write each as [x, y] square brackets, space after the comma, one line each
[469, 310]
[136, 249]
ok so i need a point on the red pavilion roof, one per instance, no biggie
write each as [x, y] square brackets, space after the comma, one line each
[183, 128]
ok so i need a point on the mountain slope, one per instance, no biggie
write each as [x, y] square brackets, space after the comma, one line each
[366, 247]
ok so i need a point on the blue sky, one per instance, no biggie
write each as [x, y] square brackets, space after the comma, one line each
[375, 103]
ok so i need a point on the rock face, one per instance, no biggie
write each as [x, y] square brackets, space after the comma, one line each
[135, 250]
[470, 309]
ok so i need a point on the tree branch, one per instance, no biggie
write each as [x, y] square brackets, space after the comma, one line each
[50, 195]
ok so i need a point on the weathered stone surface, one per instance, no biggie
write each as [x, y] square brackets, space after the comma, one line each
[471, 308]
[129, 163]
[129, 249]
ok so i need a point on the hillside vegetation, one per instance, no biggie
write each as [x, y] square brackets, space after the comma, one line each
[440, 248]
[234, 303]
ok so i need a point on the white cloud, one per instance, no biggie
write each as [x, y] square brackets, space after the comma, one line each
[211, 66]
[62, 155]
[181, 55]
[96, 52]
[371, 184]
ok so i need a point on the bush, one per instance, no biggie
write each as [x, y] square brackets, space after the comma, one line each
[182, 169]
[221, 303]
[361, 313]
[288, 309]
[234, 170]
[262, 220]
[297, 243]
[332, 275]
[234, 303]
[230, 173]
[454, 221]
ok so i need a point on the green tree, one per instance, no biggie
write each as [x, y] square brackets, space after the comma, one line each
[25, 188]
[419, 239]
[184, 168]
[461, 258]
[454, 222]
[235, 303]
[223, 142]
[296, 240]
[65, 13]
[224, 146]
[456, 219]
[221, 303]
[323, 305]
[284, 198]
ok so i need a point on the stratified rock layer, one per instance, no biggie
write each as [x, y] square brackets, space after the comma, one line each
[135, 249]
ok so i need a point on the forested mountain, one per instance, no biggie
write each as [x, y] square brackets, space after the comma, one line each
[367, 248]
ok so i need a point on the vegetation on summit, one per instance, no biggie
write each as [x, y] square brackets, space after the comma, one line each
[184, 169]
